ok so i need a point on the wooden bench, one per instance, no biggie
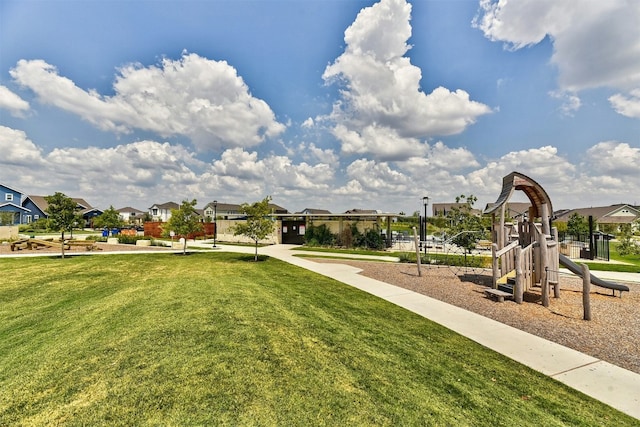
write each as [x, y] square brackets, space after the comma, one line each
[497, 294]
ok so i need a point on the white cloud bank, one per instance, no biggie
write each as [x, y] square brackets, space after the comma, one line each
[596, 43]
[141, 173]
[383, 111]
[201, 99]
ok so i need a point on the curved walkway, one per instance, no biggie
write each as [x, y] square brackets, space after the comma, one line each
[615, 386]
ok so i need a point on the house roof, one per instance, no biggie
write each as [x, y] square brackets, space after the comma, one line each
[224, 207]
[13, 205]
[362, 211]
[444, 208]
[277, 209]
[167, 205]
[513, 209]
[130, 209]
[42, 204]
[11, 188]
[314, 211]
[614, 214]
[234, 208]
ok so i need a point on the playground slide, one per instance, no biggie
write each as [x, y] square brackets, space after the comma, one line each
[576, 269]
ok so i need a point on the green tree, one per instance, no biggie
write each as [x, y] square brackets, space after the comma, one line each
[184, 221]
[62, 214]
[110, 218]
[626, 242]
[7, 218]
[258, 225]
[577, 225]
[465, 227]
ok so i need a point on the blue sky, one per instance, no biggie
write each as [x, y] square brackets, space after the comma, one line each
[320, 104]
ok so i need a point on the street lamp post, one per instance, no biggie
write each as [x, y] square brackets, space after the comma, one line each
[425, 202]
[215, 222]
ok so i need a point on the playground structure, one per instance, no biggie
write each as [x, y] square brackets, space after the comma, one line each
[525, 253]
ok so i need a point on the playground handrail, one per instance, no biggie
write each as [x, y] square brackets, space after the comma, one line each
[506, 249]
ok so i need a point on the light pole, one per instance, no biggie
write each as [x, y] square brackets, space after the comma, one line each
[425, 202]
[215, 223]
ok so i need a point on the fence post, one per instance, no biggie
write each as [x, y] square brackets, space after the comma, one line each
[415, 240]
[586, 291]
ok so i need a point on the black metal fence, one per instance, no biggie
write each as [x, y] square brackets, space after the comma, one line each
[585, 246]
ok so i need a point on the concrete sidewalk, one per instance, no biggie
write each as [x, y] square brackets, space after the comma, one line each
[615, 386]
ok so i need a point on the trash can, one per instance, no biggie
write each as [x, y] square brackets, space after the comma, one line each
[105, 233]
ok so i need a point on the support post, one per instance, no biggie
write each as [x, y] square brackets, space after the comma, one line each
[502, 239]
[495, 265]
[415, 239]
[586, 292]
[544, 259]
[519, 276]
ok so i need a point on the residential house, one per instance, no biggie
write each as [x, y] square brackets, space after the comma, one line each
[222, 211]
[162, 212]
[275, 209]
[131, 215]
[442, 209]
[311, 211]
[613, 216]
[11, 202]
[362, 211]
[233, 211]
[513, 210]
[37, 206]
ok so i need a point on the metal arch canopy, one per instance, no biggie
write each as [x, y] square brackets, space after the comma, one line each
[534, 191]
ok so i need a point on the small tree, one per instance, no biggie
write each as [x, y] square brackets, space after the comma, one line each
[110, 218]
[62, 213]
[465, 227]
[577, 225]
[184, 221]
[258, 225]
[7, 218]
[626, 243]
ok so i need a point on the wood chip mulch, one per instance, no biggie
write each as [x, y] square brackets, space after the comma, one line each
[613, 334]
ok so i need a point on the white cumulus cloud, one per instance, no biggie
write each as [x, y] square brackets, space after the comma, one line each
[382, 110]
[201, 99]
[17, 149]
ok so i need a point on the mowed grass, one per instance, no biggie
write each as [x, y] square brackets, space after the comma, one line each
[215, 339]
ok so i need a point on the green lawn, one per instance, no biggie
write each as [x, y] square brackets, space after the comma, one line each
[214, 339]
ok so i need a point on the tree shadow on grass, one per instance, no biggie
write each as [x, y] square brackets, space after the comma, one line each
[251, 258]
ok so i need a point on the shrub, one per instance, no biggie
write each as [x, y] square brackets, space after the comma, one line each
[319, 236]
[373, 240]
